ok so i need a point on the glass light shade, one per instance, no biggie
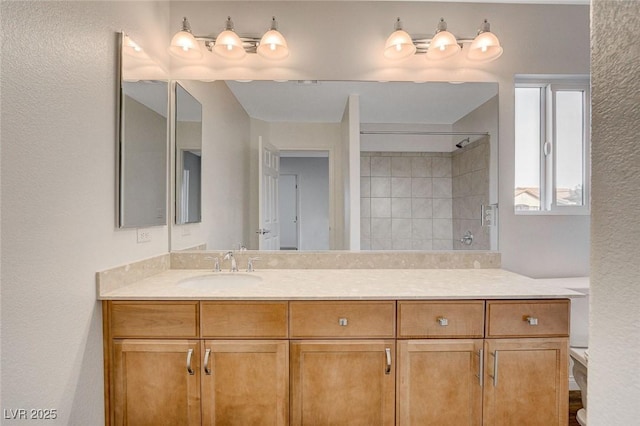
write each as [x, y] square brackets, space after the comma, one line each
[184, 45]
[273, 46]
[485, 47]
[228, 45]
[443, 45]
[399, 45]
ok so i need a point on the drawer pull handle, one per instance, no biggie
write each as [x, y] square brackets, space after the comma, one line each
[443, 321]
[343, 322]
[495, 369]
[207, 370]
[387, 369]
[189, 369]
[480, 375]
[532, 320]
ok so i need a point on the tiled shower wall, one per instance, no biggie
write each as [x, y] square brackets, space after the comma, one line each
[406, 201]
[470, 167]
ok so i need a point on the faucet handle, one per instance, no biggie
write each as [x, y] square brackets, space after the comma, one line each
[216, 263]
[228, 255]
[250, 264]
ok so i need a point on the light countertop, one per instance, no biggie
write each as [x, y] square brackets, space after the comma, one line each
[345, 284]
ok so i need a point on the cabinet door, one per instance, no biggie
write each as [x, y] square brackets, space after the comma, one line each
[156, 382]
[439, 382]
[245, 382]
[526, 382]
[343, 382]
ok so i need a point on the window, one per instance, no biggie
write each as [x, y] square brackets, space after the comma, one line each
[552, 147]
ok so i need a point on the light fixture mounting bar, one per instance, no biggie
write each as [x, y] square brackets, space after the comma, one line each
[250, 44]
[422, 43]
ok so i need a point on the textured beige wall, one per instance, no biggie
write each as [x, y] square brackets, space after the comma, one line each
[614, 340]
[58, 196]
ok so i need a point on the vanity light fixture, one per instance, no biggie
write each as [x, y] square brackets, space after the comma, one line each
[228, 44]
[273, 44]
[484, 47]
[399, 44]
[443, 44]
[184, 44]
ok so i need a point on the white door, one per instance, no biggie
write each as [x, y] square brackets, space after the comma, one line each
[268, 171]
[288, 201]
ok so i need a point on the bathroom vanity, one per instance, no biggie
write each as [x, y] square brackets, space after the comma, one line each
[369, 347]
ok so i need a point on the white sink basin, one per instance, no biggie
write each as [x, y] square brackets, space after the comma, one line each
[220, 280]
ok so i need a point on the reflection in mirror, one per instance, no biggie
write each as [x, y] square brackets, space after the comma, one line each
[397, 179]
[428, 158]
[142, 146]
[188, 157]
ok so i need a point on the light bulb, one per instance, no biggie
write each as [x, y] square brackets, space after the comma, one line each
[486, 46]
[399, 44]
[273, 44]
[183, 44]
[443, 44]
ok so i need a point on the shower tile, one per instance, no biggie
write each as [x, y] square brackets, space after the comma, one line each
[380, 207]
[365, 166]
[400, 228]
[381, 244]
[401, 244]
[365, 227]
[441, 167]
[421, 208]
[442, 188]
[380, 187]
[421, 244]
[442, 229]
[380, 228]
[422, 229]
[365, 186]
[421, 188]
[401, 166]
[421, 167]
[442, 208]
[380, 166]
[400, 187]
[401, 208]
[443, 244]
[365, 207]
[365, 244]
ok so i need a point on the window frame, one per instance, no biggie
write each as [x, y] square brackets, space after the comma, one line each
[548, 148]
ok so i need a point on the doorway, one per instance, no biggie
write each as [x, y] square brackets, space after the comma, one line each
[303, 188]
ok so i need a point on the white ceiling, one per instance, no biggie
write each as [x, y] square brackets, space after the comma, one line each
[388, 102]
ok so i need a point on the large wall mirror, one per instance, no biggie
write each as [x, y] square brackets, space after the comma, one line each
[188, 140]
[428, 163]
[142, 144]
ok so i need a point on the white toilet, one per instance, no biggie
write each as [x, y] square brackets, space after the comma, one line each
[580, 357]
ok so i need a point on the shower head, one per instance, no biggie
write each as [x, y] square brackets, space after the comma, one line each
[463, 143]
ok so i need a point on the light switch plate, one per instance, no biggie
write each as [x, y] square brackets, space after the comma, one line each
[144, 235]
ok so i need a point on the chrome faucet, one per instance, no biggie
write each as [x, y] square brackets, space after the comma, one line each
[216, 263]
[234, 266]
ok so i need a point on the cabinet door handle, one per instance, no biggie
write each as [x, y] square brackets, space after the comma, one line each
[189, 369]
[532, 320]
[481, 367]
[207, 370]
[443, 321]
[495, 369]
[387, 369]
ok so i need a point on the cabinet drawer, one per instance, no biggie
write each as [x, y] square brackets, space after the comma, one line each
[244, 320]
[154, 319]
[342, 319]
[441, 319]
[527, 318]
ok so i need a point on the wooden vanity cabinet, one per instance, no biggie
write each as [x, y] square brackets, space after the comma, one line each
[245, 375]
[343, 363]
[440, 362]
[471, 362]
[152, 363]
[526, 363]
